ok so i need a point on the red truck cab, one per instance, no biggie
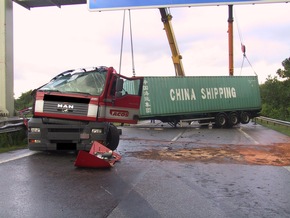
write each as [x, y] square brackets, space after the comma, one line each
[78, 107]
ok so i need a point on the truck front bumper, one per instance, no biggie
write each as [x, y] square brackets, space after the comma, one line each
[56, 134]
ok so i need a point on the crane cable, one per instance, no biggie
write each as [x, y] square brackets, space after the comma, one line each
[122, 42]
[243, 47]
[131, 41]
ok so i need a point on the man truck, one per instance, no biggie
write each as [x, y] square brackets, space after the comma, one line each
[78, 107]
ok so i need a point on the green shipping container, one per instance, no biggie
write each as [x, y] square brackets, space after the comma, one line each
[191, 97]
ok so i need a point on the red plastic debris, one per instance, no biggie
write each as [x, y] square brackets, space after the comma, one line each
[99, 157]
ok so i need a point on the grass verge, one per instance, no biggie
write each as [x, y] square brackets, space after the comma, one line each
[279, 128]
[12, 148]
[13, 140]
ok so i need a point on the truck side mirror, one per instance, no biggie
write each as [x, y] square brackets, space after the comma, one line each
[119, 85]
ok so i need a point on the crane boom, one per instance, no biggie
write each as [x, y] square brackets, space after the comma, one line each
[176, 57]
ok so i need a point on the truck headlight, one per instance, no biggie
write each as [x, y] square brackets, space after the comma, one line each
[34, 129]
[97, 131]
[32, 141]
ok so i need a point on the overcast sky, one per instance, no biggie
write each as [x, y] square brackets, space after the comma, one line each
[48, 41]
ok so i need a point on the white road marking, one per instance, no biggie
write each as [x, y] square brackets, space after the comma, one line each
[29, 153]
[177, 137]
[106, 190]
[287, 168]
[248, 137]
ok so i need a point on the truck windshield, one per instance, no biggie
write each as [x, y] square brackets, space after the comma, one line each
[89, 82]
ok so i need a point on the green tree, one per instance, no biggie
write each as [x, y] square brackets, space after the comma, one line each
[284, 73]
[24, 101]
[275, 94]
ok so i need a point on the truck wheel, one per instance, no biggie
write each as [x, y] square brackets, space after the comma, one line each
[113, 138]
[221, 120]
[245, 117]
[233, 119]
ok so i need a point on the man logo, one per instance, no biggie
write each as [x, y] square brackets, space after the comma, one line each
[65, 108]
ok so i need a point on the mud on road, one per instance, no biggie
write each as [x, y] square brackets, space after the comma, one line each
[277, 154]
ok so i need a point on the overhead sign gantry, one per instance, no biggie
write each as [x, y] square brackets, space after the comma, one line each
[99, 5]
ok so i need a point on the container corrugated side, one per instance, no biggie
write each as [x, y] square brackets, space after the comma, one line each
[171, 96]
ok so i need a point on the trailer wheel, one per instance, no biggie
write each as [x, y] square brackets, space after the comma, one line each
[245, 117]
[113, 138]
[233, 119]
[221, 120]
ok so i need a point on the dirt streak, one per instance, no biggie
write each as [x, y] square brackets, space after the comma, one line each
[275, 154]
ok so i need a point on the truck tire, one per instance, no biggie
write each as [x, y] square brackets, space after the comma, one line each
[245, 117]
[221, 120]
[233, 119]
[113, 138]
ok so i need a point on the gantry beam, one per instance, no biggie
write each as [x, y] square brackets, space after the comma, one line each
[45, 3]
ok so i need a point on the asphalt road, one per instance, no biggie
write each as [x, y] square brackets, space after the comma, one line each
[164, 172]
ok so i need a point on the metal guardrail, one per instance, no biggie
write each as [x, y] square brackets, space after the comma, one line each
[274, 121]
[11, 124]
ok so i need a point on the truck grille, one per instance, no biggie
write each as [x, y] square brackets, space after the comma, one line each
[70, 108]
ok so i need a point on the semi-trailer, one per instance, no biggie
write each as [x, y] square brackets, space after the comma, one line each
[224, 101]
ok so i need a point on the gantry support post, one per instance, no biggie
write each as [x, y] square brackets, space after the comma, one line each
[6, 59]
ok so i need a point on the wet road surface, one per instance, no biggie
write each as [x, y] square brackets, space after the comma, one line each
[164, 172]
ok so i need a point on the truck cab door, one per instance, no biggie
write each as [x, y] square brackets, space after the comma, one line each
[122, 100]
